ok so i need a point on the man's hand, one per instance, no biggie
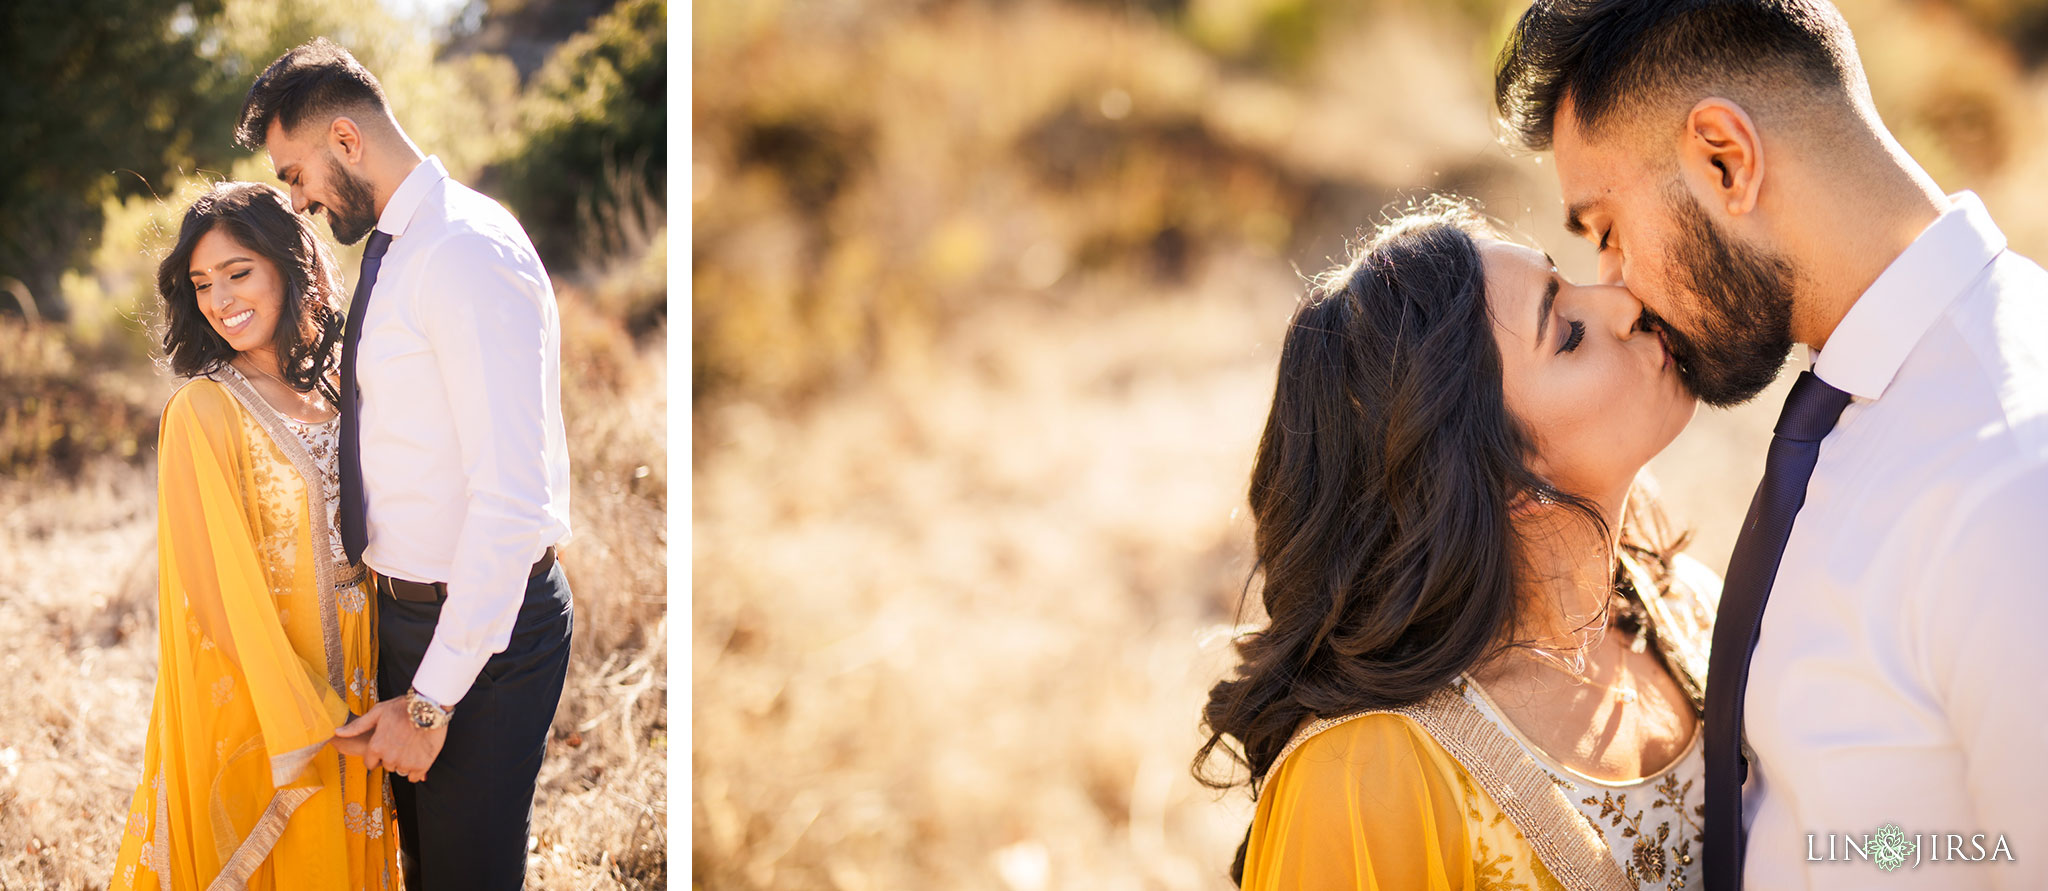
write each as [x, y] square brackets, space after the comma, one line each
[386, 737]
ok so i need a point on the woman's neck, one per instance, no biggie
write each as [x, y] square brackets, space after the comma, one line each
[261, 361]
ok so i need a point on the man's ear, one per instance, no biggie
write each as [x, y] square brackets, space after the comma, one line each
[347, 139]
[1721, 156]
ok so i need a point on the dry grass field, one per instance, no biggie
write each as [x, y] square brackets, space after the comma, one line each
[986, 299]
[78, 612]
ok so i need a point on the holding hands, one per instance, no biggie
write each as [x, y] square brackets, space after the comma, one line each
[390, 736]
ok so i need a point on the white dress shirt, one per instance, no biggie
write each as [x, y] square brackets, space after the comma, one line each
[1901, 671]
[465, 466]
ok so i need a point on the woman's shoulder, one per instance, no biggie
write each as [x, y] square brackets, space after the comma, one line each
[1681, 607]
[1697, 582]
[1368, 749]
[202, 403]
[1377, 782]
[202, 396]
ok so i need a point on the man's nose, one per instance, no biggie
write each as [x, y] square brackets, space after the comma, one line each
[1610, 268]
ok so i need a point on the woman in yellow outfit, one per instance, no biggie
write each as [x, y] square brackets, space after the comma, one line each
[1484, 658]
[267, 635]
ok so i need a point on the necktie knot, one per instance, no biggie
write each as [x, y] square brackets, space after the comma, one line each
[380, 241]
[1811, 409]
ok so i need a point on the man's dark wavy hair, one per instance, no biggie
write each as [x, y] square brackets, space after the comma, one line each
[1612, 56]
[313, 78]
[258, 217]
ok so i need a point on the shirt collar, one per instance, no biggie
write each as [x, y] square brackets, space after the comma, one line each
[1873, 338]
[405, 200]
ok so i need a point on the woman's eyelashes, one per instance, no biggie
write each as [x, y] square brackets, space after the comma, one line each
[204, 285]
[1571, 341]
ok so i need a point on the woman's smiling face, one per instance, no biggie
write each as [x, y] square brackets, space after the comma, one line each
[1595, 388]
[239, 291]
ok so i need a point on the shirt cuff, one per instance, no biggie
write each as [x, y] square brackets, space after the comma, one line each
[445, 675]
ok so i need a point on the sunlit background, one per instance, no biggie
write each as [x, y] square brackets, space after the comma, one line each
[986, 299]
[114, 115]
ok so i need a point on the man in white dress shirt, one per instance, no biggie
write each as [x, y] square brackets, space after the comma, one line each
[455, 471]
[1727, 159]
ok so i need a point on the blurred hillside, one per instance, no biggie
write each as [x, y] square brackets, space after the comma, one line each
[118, 114]
[984, 312]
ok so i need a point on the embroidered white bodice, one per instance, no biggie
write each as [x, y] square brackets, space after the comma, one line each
[322, 441]
[1654, 826]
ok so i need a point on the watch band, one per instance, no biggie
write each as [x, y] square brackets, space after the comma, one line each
[433, 717]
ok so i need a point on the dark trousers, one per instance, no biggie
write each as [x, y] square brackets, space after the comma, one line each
[465, 827]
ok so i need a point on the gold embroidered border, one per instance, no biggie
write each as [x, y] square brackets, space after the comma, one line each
[234, 875]
[1576, 854]
[287, 767]
[324, 571]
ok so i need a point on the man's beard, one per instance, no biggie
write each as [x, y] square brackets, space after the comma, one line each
[353, 212]
[1744, 330]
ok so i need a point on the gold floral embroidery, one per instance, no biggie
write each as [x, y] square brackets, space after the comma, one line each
[352, 600]
[1498, 871]
[1493, 873]
[1652, 856]
[1673, 794]
[360, 822]
[138, 824]
[223, 690]
[1647, 862]
[322, 444]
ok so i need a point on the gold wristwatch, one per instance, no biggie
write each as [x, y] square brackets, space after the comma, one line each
[425, 714]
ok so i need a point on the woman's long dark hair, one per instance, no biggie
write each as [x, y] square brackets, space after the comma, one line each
[260, 218]
[1382, 495]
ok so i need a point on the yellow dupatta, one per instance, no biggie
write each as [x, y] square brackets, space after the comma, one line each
[265, 647]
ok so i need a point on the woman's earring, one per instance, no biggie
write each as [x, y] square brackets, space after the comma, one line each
[1534, 501]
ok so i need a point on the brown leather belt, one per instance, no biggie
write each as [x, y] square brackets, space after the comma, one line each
[423, 592]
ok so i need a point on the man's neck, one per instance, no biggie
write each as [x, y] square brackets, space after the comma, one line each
[1851, 239]
[402, 158]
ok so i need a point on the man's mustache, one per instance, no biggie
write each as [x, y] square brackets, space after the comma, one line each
[1681, 347]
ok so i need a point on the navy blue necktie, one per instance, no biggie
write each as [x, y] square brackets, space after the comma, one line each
[355, 524]
[1810, 412]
